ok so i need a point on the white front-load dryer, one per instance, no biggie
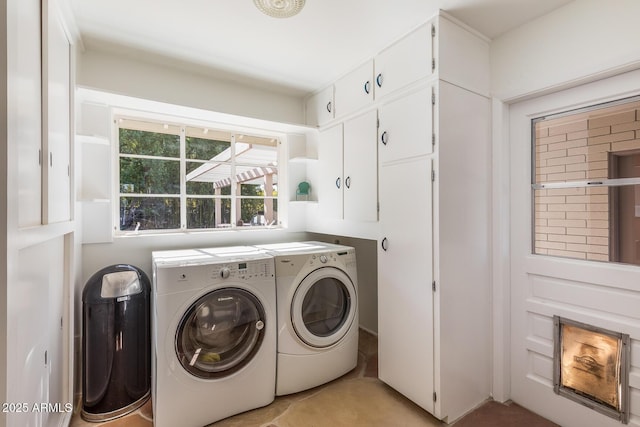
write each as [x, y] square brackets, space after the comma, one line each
[214, 334]
[317, 313]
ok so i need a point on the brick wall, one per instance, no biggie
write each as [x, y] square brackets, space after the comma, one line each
[574, 222]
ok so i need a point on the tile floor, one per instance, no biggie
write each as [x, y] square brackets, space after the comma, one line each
[356, 399]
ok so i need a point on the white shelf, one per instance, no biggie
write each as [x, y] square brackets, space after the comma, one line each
[302, 159]
[84, 200]
[92, 139]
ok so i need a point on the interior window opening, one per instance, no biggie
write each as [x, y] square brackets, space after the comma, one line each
[173, 176]
[586, 183]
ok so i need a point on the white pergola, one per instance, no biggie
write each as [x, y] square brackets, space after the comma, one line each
[218, 172]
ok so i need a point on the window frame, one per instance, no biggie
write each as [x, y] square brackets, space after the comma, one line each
[579, 183]
[235, 199]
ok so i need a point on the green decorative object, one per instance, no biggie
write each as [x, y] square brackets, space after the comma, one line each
[303, 191]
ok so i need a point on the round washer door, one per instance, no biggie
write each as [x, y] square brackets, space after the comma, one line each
[324, 307]
[220, 333]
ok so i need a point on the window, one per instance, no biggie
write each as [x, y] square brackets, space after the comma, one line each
[179, 177]
[586, 182]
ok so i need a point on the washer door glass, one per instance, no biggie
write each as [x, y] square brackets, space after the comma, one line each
[324, 307]
[220, 333]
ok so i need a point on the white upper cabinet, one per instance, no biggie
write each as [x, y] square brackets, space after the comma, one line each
[461, 56]
[319, 107]
[348, 168]
[28, 111]
[406, 128]
[355, 90]
[434, 200]
[404, 62]
[361, 168]
[57, 109]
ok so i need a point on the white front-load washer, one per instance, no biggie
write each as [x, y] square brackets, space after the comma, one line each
[317, 313]
[214, 334]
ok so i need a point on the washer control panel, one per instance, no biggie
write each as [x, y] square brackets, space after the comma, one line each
[243, 270]
[177, 277]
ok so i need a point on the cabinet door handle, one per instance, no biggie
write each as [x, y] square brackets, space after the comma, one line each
[329, 106]
[338, 182]
[347, 182]
[379, 80]
[384, 138]
[367, 87]
[384, 244]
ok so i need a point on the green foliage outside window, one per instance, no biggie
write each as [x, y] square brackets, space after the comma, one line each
[149, 143]
[204, 149]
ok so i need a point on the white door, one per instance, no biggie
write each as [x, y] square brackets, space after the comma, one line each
[361, 168]
[600, 293]
[331, 185]
[406, 127]
[405, 276]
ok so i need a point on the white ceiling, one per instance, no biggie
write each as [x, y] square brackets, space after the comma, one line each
[233, 39]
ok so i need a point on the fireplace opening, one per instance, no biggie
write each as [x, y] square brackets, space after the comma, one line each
[591, 367]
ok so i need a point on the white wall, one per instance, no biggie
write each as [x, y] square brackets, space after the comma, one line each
[572, 44]
[153, 80]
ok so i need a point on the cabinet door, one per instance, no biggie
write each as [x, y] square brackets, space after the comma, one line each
[404, 62]
[57, 171]
[320, 107]
[38, 371]
[355, 90]
[406, 127]
[405, 276]
[27, 105]
[331, 183]
[361, 168]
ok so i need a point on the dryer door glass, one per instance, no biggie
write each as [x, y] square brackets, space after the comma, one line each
[324, 307]
[220, 333]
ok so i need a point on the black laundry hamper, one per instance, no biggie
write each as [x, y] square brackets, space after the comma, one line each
[116, 342]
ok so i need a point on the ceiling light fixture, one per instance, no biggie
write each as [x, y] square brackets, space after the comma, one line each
[279, 8]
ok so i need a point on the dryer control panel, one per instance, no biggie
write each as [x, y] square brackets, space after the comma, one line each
[291, 265]
[346, 258]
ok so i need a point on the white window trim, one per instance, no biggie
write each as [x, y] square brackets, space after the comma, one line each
[183, 123]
